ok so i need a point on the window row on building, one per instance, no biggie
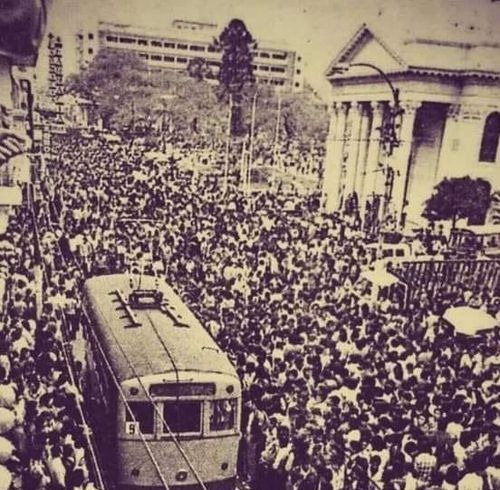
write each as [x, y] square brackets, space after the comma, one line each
[272, 81]
[182, 59]
[274, 56]
[158, 44]
[274, 69]
[184, 46]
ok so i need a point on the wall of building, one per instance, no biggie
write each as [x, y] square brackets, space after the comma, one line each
[424, 159]
[272, 65]
[441, 134]
[462, 142]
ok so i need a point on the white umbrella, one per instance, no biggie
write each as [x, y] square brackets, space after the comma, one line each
[7, 420]
[8, 396]
[5, 478]
[469, 321]
[6, 449]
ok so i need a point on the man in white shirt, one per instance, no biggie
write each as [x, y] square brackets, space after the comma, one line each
[471, 481]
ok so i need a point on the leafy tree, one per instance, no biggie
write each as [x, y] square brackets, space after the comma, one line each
[459, 198]
[302, 116]
[198, 69]
[118, 83]
[236, 71]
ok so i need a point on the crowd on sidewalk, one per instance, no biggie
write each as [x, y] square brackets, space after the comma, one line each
[339, 392]
[42, 438]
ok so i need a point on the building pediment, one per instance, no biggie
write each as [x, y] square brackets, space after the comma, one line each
[416, 56]
[366, 47]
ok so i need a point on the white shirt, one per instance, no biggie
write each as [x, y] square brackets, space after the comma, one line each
[471, 481]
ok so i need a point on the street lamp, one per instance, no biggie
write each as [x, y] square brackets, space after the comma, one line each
[392, 120]
[389, 137]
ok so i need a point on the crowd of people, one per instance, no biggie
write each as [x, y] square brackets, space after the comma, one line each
[42, 435]
[340, 392]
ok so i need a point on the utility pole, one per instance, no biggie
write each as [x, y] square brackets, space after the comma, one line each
[133, 115]
[277, 130]
[252, 134]
[243, 164]
[228, 139]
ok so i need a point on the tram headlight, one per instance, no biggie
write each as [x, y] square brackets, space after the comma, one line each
[224, 466]
[135, 472]
[230, 388]
[134, 390]
[181, 475]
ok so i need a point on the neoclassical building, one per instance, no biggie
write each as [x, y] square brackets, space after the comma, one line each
[450, 93]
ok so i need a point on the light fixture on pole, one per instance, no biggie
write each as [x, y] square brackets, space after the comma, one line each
[389, 129]
[392, 121]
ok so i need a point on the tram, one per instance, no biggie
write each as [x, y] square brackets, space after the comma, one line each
[165, 399]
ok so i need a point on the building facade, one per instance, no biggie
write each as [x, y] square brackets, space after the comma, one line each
[185, 40]
[450, 94]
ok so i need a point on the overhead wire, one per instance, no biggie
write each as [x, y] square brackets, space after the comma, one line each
[127, 405]
[159, 414]
[93, 455]
[155, 407]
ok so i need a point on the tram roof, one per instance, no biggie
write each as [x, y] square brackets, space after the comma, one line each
[158, 342]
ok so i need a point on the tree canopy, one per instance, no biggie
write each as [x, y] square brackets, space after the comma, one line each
[118, 83]
[236, 70]
[459, 198]
[123, 90]
[198, 69]
[236, 44]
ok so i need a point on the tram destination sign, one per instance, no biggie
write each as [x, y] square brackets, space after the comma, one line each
[182, 389]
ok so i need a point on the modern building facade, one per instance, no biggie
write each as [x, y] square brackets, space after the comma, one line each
[185, 40]
[450, 94]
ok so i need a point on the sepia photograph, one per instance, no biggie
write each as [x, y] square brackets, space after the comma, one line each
[249, 245]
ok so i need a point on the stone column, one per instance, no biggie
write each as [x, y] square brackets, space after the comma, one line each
[329, 163]
[355, 114]
[373, 152]
[334, 158]
[400, 160]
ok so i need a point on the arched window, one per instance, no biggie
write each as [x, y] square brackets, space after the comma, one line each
[489, 143]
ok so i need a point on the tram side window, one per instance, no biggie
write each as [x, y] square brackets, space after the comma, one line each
[144, 414]
[222, 414]
[182, 416]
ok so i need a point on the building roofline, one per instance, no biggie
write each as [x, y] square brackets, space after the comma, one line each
[354, 42]
[179, 34]
[453, 44]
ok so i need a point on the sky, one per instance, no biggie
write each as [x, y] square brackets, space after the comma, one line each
[317, 29]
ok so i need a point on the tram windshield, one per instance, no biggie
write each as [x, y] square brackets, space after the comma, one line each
[143, 415]
[182, 416]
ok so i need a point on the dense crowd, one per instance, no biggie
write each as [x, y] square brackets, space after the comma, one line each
[339, 391]
[42, 438]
